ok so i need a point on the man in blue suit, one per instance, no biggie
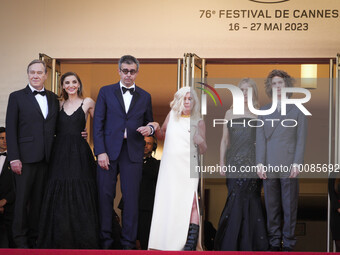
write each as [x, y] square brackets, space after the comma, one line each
[121, 119]
[281, 146]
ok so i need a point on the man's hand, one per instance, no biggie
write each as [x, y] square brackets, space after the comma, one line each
[144, 130]
[3, 202]
[155, 125]
[2, 210]
[260, 172]
[103, 161]
[16, 166]
[294, 171]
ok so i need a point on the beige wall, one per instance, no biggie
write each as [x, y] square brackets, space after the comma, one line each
[150, 29]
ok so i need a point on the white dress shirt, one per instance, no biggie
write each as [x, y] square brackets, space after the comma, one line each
[2, 162]
[42, 101]
[127, 97]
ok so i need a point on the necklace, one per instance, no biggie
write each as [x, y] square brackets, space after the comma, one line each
[185, 116]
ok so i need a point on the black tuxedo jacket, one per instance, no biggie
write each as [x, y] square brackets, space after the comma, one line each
[7, 184]
[148, 184]
[29, 135]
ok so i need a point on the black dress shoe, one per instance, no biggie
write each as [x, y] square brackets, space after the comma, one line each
[125, 247]
[274, 248]
[106, 247]
[22, 247]
[287, 249]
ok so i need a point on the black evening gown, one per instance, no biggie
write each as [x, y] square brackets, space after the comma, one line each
[69, 218]
[242, 225]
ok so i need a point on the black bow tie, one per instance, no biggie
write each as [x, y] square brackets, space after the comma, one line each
[130, 90]
[43, 93]
[3, 153]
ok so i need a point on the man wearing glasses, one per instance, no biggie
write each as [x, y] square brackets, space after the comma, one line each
[121, 119]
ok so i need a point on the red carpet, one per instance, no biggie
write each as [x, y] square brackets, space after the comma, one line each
[139, 252]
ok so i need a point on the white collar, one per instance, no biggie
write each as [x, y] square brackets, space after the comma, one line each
[33, 89]
[131, 87]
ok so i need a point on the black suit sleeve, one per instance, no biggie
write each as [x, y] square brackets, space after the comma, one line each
[148, 117]
[7, 184]
[12, 117]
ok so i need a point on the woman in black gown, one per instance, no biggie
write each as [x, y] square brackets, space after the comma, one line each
[69, 212]
[242, 225]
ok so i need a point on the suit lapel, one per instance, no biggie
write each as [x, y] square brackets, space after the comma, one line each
[271, 122]
[271, 126]
[50, 103]
[5, 167]
[31, 97]
[135, 98]
[118, 94]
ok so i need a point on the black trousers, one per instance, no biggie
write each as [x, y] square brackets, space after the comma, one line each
[29, 189]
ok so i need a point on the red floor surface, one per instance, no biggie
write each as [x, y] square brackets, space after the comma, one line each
[139, 252]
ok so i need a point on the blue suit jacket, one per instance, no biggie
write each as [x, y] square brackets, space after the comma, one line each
[111, 119]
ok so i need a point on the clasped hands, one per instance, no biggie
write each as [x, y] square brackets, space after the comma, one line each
[103, 158]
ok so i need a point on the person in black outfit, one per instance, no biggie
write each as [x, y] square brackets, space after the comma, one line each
[334, 196]
[30, 121]
[147, 191]
[69, 218]
[242, 225]
[7, 195]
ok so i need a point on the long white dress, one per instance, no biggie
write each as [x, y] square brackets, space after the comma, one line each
[176, 186]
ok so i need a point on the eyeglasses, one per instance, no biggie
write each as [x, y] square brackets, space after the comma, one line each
[126, 71]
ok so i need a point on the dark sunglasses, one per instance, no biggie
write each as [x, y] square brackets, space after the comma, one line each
[126, 71]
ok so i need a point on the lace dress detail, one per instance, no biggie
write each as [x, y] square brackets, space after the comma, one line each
[69, 215]
[242, 225]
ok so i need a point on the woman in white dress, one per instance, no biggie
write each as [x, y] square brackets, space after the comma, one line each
[175, 220]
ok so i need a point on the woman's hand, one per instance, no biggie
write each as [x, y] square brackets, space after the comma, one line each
[198, 139]
[222, 166]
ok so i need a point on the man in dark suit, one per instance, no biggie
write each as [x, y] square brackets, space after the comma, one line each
[7, 195]
[282, 147]
[121, 119]
[147, 191]
[30, 120]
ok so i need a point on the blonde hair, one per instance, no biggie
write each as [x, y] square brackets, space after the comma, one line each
[252, 83]
[177, 105]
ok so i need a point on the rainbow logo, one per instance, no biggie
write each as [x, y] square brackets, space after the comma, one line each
[209, 93]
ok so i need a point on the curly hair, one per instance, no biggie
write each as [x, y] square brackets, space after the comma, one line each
[289, 81]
